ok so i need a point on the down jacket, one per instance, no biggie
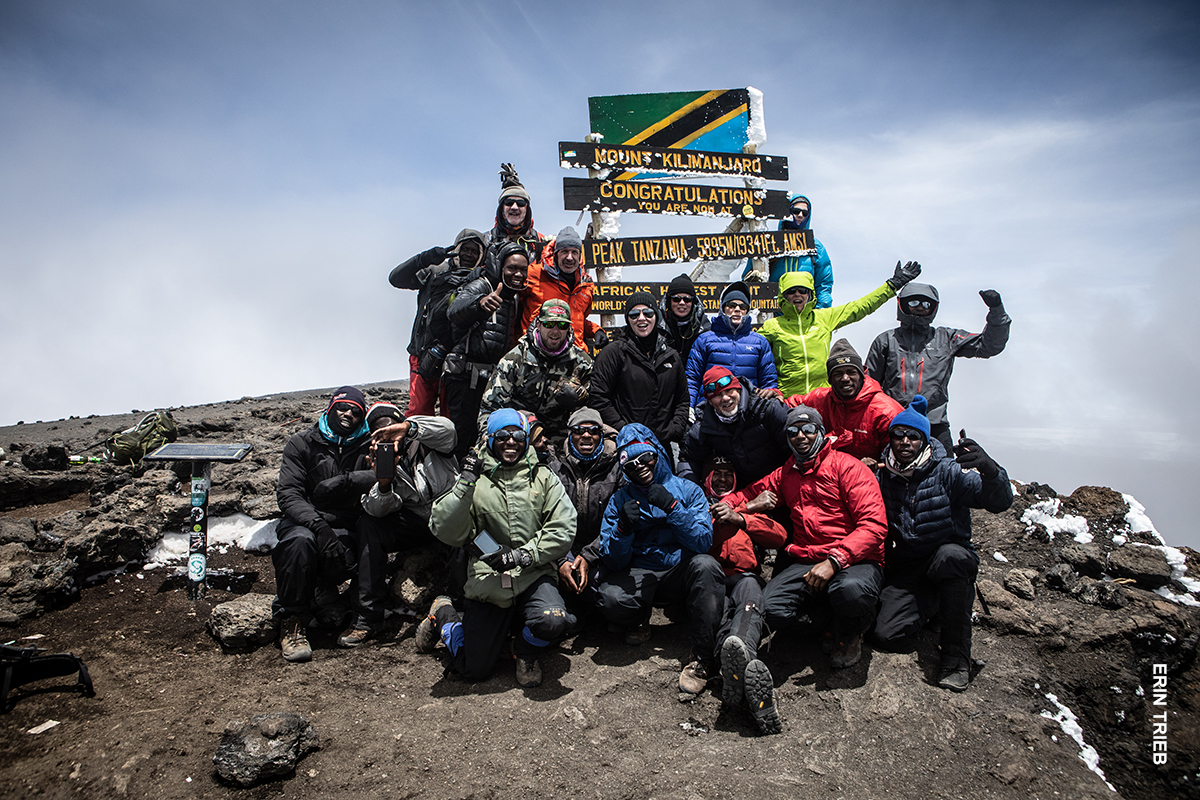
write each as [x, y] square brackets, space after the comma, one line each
[860, 424]
[484, 338]
[800, 339]
[933, 506]
[521, 505]
[589, 485]
[543, 286]
[746, 353]
[833, 503]
[917, 358]
[426, 469]
[755, 443]
[659, 539]
[819, 266]
[631, 386]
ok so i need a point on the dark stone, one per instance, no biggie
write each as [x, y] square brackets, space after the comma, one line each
[244, 623]
[267, 747]
[1147, 566]
[1100, 593]
[45, 457]
[17, 530]
[1086, 559]
[1060, 577]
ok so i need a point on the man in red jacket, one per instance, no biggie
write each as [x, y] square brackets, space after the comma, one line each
[856, 410]
[831, 569]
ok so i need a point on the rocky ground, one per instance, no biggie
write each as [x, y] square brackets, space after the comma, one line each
[1080, 622]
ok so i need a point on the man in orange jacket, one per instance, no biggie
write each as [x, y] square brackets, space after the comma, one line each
[561, 276]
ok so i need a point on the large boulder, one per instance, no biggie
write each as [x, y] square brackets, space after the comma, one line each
[267, 747]
[244, 623]
[1145, 564]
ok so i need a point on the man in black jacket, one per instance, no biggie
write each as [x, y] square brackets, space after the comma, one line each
[640, 378]
[321, 482]
[434, 273]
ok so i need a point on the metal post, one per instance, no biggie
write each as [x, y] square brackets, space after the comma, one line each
[198, 533]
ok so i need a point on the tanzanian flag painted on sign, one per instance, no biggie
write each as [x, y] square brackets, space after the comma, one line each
[717, 120]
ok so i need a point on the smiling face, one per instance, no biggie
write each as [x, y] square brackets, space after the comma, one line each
[682, 305]
[803, 436]
[736, 311]
[554, 334]
[641, 320]
[567, 259]
[515, 209]
[798, 296]
[846, 381]
[469, 253]
[510, 444]
[586, 438]
[726, 401]
[348, 415]
[515, 271]
[640, 469]
[906, 443]
[723, 480]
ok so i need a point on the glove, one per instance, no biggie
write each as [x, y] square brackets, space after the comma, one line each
[506, 558]
[470, 467]
[660, 496]
[339, 562]
[629, 513]
[991, 297]
[331, 489]
[970, 455]
[903, 274]
[599, 339]
[436, 255]
[568, 395]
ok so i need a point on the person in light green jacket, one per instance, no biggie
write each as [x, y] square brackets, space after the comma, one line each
[525, 511]
[800, 337]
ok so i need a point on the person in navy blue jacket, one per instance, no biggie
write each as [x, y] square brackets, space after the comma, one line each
[732, 343]
[931, 562]
[654, 545]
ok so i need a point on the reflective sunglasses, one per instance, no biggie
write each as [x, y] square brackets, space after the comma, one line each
[797, 290]
[807, 428]
[645, 459]
[681, 298]
[737, 304]
[504, 436]
[519, 202]
[562, 326]
[586, 430]
[344, 407]
[718, 384]
[917, 302]
[645, 312]
[900, 435]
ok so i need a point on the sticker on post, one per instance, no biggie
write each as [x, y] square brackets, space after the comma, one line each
[196, 566]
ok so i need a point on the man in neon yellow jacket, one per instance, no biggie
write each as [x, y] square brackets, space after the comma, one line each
[800, 337]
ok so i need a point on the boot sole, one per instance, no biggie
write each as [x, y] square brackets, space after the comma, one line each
[734, 658]
[760, 695]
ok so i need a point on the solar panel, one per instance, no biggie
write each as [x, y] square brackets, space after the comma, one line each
[193, 451]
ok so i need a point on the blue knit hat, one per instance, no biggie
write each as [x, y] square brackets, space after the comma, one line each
[502, 418]
[914, 416]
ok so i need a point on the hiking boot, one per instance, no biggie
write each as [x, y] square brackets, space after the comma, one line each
[293, 640]
[760, 696]
[846, 654]
[427, 632]
[734, 658]
[638, 635]
[956, 680]
[529, 672]
[693, 679]
[354, 636]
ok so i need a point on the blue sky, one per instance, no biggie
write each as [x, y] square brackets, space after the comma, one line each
[220, 189]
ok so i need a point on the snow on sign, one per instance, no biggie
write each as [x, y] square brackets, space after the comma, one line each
[694, 247]
[666, 161]
[650, 197]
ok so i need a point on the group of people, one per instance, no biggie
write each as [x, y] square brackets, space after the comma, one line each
[576, 474]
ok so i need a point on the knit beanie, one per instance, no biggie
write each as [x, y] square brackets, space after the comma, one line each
[640, 299]
[914, 417]
[567, 237]
[842, 354]
[799, 416]
[681, 284]
[583, 415]
[502, 418]
[735, 294]
[348, 394]
[381, 414]
[714, 374]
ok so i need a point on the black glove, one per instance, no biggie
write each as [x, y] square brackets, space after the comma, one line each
[660, 496]
[470, 466]
[339, 563]
[630, 512]
[435, 255]
[567, 396]
[970, 455]
[599, 339]
[991, 297]
[506, 558]
[903, 274]
[331, 489]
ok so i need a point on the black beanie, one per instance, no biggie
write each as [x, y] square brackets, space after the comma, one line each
[640, 299]
[681, 284]
[842, 354]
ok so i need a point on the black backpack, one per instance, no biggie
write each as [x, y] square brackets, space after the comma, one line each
[20, 665]
[438, 338]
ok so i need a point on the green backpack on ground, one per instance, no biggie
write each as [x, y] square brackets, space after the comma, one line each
[131, 445]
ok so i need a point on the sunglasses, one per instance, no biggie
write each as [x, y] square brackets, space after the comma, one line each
[586, 430]
[519, 202]
[504, 436]
[737, 305]
[899, 435]
[718, 384]
[799, 212]
[645, 459]
[681, 298]
[797, 290]
[645, 312]
[808, 429]
[917, 302]
[344, 407]
[562, 326]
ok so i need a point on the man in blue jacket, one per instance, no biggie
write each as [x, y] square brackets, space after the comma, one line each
[654, 545]
[931, 562]
[733, 343]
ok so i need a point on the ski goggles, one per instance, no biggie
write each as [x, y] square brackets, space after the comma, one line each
[717, 385]
[808, 429]
[920, 302]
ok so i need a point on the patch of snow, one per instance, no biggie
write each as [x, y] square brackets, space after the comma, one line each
[1178, 562]
[1119, 540]
[1069, 723]
[610, 225]
[1137, 520]
[1181, 599]
[171, 547]
[1116, 689]
[757, 134]
[999, 557]
[1120, 715]
[1046, 513]
[252, 535]
[1140, 692]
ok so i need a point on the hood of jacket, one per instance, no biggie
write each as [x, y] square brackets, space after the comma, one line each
[493, 265]
[466, 235]
[789, 224]
[629, 439]
[912, 322]
[790, 280]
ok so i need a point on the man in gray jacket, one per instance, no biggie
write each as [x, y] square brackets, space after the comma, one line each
[917, 358]
[397, 509]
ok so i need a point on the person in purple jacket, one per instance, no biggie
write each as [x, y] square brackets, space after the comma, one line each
[732, 343]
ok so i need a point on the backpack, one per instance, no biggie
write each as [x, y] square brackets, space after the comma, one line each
[20, 665]
[131, 445]
[435, 322]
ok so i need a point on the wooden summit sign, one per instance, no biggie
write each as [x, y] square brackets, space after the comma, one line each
[694, 247]
[576, 155]
[650, 197]
[609, 298]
